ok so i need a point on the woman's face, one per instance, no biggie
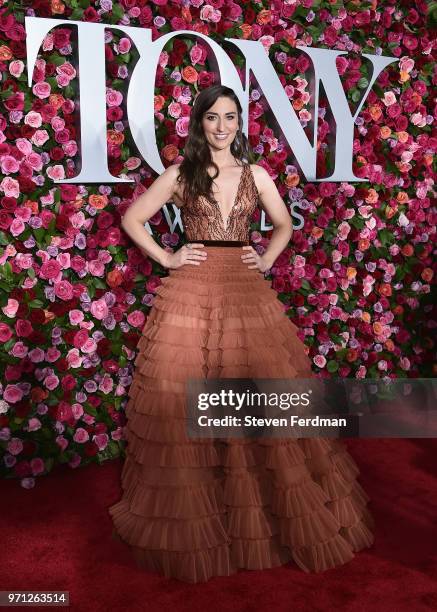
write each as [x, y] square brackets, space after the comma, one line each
[220, 123]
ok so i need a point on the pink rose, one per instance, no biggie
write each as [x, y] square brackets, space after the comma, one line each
[99, 309]
[36, 355]
[51, 382]
[56, 173]
[96, 268]
[33, 119]
[66, 70]
[50, 269]
[24, 261]
[64, 260]
[62, 80]
[11, 308]
[76, 316]
[15, 446]
[57, 123]
[35, 161]
[5, 332]
[70, 148]
[73, 358]
[61, 442]
[9, 164]
[52, 354]
[42, 90]
[37, 466]
[34, 424]
[182, 126]
[39, 138]
[10, 186]
[24, 145]
[16, 68]
[81, 435]
[136, 318]
[320, 361]
[124, 45]
[80, 338]
[77, 410]
[12, 394]
[101, 440]
[64, 290]
[113, 97]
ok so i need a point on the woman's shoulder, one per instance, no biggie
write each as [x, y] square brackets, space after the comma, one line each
[173, 171]
[259, 175]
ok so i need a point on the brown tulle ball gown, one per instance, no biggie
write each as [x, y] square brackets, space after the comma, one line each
[197, 509]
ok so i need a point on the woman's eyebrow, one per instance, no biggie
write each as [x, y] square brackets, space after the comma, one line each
[230, 113]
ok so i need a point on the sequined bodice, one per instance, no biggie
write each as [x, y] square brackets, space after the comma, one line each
[202, 219]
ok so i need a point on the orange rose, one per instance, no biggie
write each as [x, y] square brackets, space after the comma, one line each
[402, 197]
[49, 316]
[98, 201]
[389, 345]
[56, 100]
[246, 29]
[158, 103]
[428, 159]
[417, 98]
[264, 17]
[186, 15]
[372, 196]
[32, 205]
[298, 104]
[115, 137]
[351, 355]
[427, 274]
[351, 273]
[402, 137]
[407, 250]
[404, 76]
[189, 74]
[292, 180]
[390, 211]
[385, 132]
[170, 152]
[57, 7]
[5, 53]
[377, 328]
[375, 112]
[398, 310]
[317, 232]
[363, 244]
[385, 289]
[38, 394]
[366, 317]
[114, 278]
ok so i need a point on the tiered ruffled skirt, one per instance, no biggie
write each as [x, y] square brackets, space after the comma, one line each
[195, 509]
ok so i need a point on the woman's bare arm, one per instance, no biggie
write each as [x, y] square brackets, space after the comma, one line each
[277, 211]
[148, 204]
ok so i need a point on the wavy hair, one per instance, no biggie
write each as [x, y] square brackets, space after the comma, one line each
[197, 155]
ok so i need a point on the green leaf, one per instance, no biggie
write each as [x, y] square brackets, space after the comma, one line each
[332, 366]
[36, 304]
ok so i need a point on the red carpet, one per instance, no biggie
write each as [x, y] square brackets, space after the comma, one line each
[57, 536]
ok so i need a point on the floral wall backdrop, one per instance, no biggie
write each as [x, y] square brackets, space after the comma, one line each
[75, 292]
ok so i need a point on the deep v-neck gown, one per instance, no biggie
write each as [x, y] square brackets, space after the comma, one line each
[195, 509]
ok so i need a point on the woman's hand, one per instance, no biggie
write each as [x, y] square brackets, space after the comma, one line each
[258, 261]
[189, 253]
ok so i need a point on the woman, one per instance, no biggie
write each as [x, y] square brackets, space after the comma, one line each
[196, 509]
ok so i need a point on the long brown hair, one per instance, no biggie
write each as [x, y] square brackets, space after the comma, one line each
[197, 155]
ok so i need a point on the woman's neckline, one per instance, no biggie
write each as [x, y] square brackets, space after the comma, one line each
[235, 200]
